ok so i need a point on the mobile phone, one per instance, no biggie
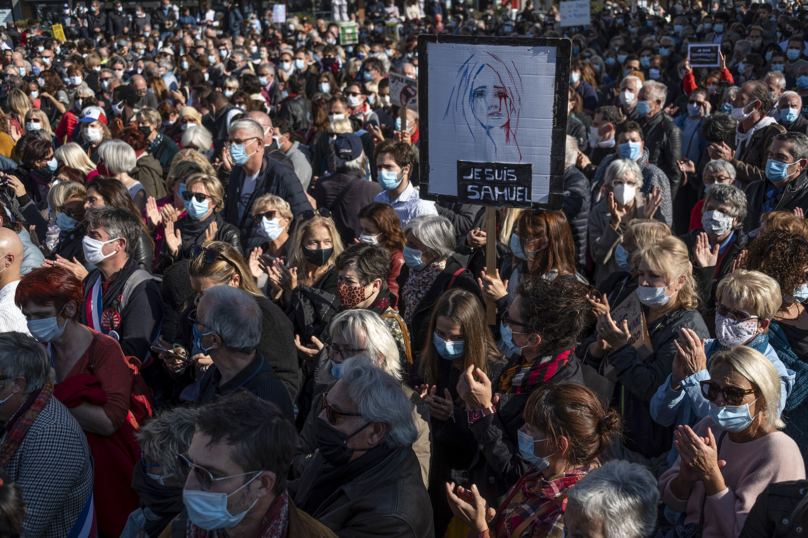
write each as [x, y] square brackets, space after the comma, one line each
[157, 349]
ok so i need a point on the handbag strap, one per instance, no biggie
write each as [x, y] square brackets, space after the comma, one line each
[404, 332]
[343, 192]
[704, 500]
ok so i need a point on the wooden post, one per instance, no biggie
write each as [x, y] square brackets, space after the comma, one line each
[491, 258]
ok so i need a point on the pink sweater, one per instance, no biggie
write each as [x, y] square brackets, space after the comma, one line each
[750, 468]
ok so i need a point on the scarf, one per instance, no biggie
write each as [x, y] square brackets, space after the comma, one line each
[772, 197]
[741, 139]
[418, 283]
[274, 525]
[19, 424]
[759, 343]
[193, 231]
[518, 379]
[152, 146]
[163, 501]
[42, 180]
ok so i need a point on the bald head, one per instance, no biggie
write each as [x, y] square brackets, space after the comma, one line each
[138, 82]
[11, 253]
[266, 124]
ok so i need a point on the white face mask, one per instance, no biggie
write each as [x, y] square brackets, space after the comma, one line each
[623, 194]
[93, 135]
[371, 239]
[353, 101]
[626, 97]
[270, 228]
[716, 223]
[93, 252]
[731, 333]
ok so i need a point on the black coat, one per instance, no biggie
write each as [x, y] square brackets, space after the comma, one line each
[420, 318]
[663, 140]
[795, 195]
[295, 109]
[800, 125]
[98, 20]
[226, 232]
[356, 193]
[116, 22]
[577, 202]
[70, 245]
[144, 251]
[578, 131]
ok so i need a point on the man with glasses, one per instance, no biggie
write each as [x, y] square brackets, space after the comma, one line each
[254, 174]
[227, 328]
[365, 432]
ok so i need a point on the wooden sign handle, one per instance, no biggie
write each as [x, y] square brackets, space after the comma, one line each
[491, 258]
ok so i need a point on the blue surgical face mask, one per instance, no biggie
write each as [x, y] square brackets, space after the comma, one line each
[208, 510]
[198, 340]
[53, 164]
[412, 258]
[653, 296]
[643, 108]
[630, 150]
[516, 248]
[575, 77]
[664, 51]
[526, 445]
[239, 154]
[270, 228]
[389, 180]
[645, 62]
[732, 418]
[506, 333]
[802, 82]
[212, 59]
[777, 171]
[47, 329]
[196, 210]
[789, 115]
[610, 62]
[792, 54]
[621, 257]
[448, 350]
[336, 370]
[65, 223]
[263, 80]
[801, 293]
[726, 108]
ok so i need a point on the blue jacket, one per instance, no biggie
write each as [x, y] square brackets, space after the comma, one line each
[680, 123]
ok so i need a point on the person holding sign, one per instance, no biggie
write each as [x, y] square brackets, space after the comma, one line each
[670, 302]
[747, 302]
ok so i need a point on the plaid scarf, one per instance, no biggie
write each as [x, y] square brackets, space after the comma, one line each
[533, 493]
[519, 378]
[274, 525]
[21, 422]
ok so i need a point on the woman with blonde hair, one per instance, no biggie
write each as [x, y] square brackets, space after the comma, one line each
[668, 293]
[203, 198]
[160, 90]
[274, 216]
[18, 105]
[37, 120]
[189, 117]
[66, 205]
[729, 458]
[73, 157]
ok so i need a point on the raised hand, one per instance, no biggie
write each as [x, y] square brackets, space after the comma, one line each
[210, 233]
[153, 215]
[173, 238]
[616, 211]
[493, 287]
[652, 202]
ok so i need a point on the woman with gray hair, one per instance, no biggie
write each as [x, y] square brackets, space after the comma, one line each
[618, 499]
[116, 160]
[611, 215]
[360, 332]
[158, 478]
[198, 138]
[715, 172]
[730, 457]
[429, 270]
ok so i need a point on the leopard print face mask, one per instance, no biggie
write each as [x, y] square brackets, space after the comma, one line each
[350, 296]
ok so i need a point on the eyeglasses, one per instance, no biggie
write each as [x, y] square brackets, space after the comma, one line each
[310, 214]
[269, 215]
[203, 476]
[333, 414]
[507, 321]
[346, 352]
[192, 319]
[67, 211]
[241, 142]
[737, 315]
[732, 395]
[198, 195]
[211, 255]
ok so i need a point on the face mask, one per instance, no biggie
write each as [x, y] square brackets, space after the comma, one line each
[47, 330]
[448, 350]
[317, 256]
[208, 510]
[610, 62]
[575, 51]
[239, 154]
[731, 333]
[726, 108]
[300, 64]
[593, 134]
[65, 223]
[574, 78]
[515, 245]
[741, 67]
[286, 66]
[645, 62]
[621, 257]
[389, 180]
[776, 171]
[41, 82]
[664, 51]
[371, 99]
[368, 76]
[370, 239]
[336, 370]
[778, 67]
[412, 258]
[792, 54]
[694, 111]
[643, 108]
[212, 59]
[33, 126]
[160, 478]
[739, 114]
[350, 296]
[354, 101]
[624, 194]
[626, 98]
[75, 81]
[630, 150]
[653, 296]
[270, 228]
[732, 418]
[184, 65]
[92, 250]
[802, 82]
[708, 26]
[526, 444]
[716, 223]
[333, 444]
[263, 81]
[196, 210]
[229, 93]
[198, 340]
[386, 100]
[719, 28]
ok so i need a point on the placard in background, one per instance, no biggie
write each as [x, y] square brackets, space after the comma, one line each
[403, 91]
[575, 13]
[704, 54]
[279, 13]
[58, 32]
[348, 34]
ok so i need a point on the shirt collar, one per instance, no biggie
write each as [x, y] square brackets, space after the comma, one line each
[725, 243]
[406, 195]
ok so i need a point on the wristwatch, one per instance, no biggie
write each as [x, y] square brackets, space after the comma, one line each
[474, 416]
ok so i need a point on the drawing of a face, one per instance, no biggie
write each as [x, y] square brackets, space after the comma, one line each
[491, 103]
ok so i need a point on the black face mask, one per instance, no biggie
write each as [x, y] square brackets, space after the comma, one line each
[317, 256]
[145, 129]
[231, 65]
[333, 444]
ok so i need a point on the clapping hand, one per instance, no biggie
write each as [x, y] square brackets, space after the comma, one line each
[477, 393]
[699, 458]
[703, 254]
[616, 336]
[652, 202]
[469, 507]
[617, 212]
[690, 357]
[210, 233]
[599, 304]
[153, 216]
[476, 238]
[439, 408]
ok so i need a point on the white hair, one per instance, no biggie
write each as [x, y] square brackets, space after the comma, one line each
[234, 315]
[198, 137]
[788, 93]
[570, 152]
[379, 343]
[379, 398]
[656, 91]
[781, 80]
[435, 232]
[246, 124]
[117, 156]
[619, 167]
[637, 80]
[623, 496]
[716, 166]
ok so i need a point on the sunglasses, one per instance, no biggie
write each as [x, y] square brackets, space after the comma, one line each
[737, 315]
[269, 215]
[732, 395]
[333, 414]
[203, 476]
[210, 255]
[508, 322]
[309, 214]
[69, 212]
[345, 351]
[198, 195]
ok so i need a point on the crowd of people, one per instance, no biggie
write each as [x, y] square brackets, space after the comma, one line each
[226, 310]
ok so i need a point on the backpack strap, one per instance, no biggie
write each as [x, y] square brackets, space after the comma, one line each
[454, 277]
[405, 333]
[134, 280]
[343, 192]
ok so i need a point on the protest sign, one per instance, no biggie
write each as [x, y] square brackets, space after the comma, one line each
[279, 13]
[494, 102]
[704, 54]
[58, 32]
[403, 91]
[392, 31]
[631, 310]
[575, 13]
[348, 34]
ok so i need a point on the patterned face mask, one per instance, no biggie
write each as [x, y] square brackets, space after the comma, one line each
[350, 296]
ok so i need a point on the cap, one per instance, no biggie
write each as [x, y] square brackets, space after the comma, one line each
[348, 147]
[93, 113]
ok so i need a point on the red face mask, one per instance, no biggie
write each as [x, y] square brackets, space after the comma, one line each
[349, 296]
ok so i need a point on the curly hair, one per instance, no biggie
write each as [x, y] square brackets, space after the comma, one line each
[557, 310]
[781, 255]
